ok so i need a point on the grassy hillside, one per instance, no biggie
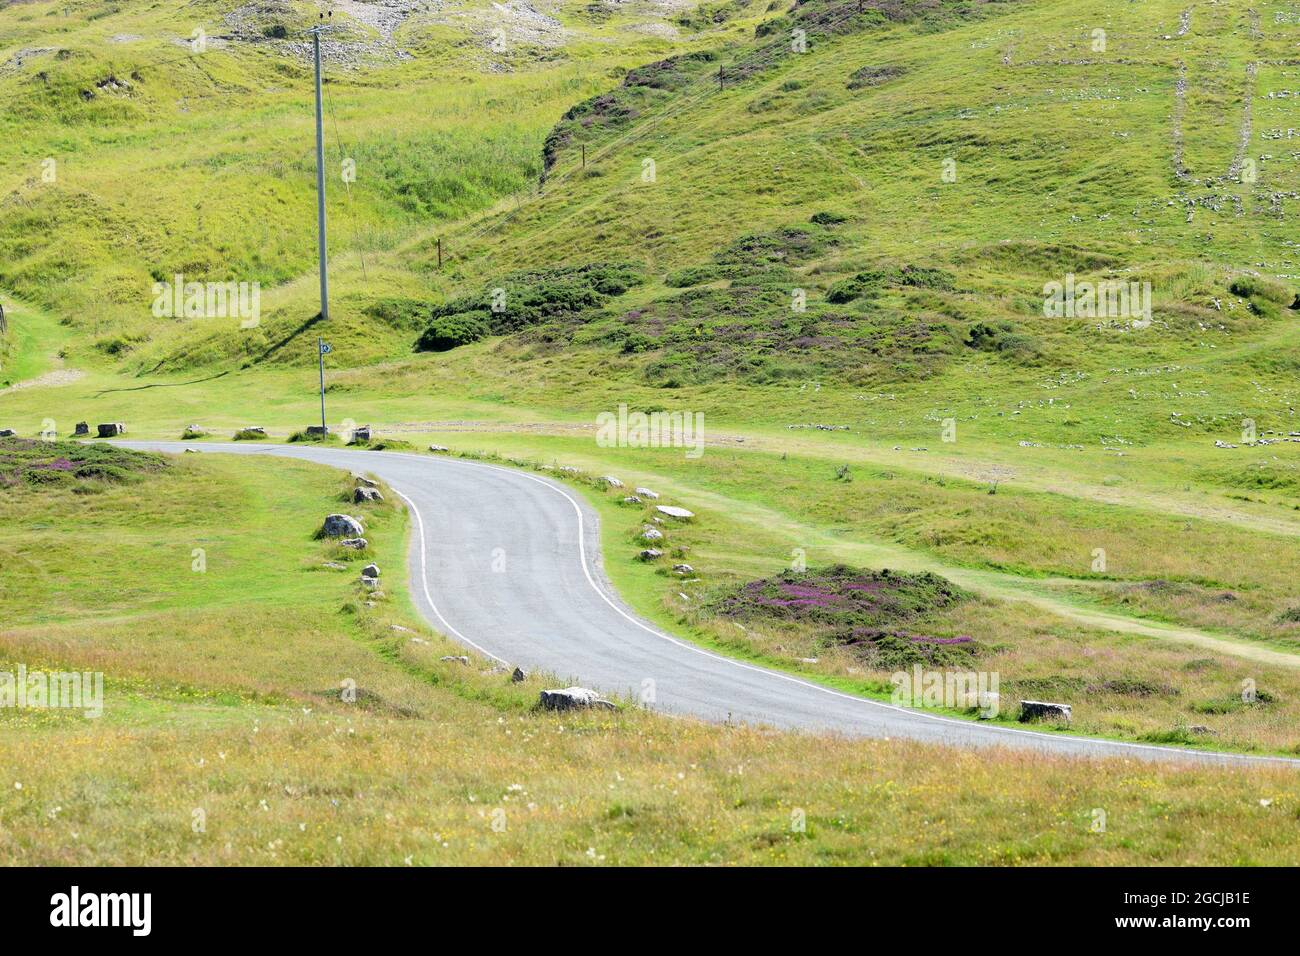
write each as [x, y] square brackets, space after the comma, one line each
[820, 172]
[225, 737]
[1065, 159]
[166, 158]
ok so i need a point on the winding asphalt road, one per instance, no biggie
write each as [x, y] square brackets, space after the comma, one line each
[508, 563]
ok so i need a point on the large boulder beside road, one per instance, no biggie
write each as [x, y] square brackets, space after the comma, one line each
[1042, 710]
[342, 526]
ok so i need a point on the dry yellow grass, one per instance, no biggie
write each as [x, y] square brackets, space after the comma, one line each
[466, 783]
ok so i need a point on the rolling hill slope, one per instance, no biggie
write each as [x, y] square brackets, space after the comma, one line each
[1124, 161]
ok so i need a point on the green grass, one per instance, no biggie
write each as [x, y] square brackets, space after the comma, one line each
[820, 173]
[225, 738]
[63, 241]
[32, 345]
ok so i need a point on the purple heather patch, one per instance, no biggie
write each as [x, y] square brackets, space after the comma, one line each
[866, 610]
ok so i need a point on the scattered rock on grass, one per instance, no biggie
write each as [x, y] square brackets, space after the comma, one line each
[356, 544]
[650, 554]
[455, 659]
[112, 430]
[342, 526]
[366, 495]
[1042, 710]
[572, 698]
[648, 494]
[673, 511]
[370, 571]
[518, 676]
[683, 569]
[438, 449]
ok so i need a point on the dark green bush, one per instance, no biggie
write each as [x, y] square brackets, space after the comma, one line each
[527, 299]
[1001, 338]
[872, 280]
[103, 472]
[846, 290]
[827, 218]
[48, 477]
[1251, 287]
[450, 331]
[637, 342]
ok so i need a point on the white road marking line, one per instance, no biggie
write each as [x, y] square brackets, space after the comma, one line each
[424, 582]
